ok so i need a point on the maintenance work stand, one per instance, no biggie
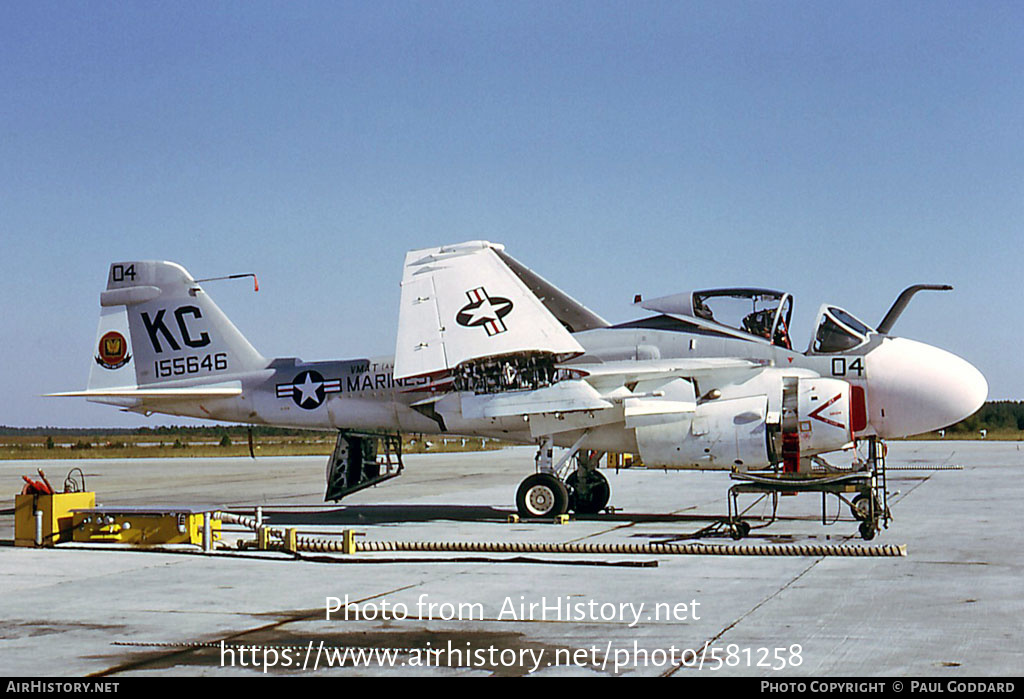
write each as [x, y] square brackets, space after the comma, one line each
[862, 488]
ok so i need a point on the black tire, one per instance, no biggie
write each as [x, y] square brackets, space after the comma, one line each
[595, 499]
[739, 529]
[542, 495]
[867, 531]
[861, 508]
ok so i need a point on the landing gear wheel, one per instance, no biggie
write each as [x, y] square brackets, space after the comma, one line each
[739, 530]
[542, 495]
[861, 507]
[597, 494]
[867, 531]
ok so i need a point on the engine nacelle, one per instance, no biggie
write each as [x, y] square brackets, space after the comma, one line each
[723, 434]
[784, 419]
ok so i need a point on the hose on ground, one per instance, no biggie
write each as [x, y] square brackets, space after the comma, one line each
[304, 543]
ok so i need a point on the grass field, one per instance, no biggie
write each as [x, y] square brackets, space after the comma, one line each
[122, 446]
[1000, 435]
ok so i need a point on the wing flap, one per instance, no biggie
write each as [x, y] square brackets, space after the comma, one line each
[419, 320]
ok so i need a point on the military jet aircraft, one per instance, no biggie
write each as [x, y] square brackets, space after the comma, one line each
[705, 380]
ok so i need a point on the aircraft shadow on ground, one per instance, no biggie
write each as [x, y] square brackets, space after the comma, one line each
[397, 514]
[387, 514]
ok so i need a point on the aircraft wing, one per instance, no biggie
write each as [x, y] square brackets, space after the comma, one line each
[571, 313]
[639, 393]
[472, 301]
[648, 369]
[463, 302]
[566, 396]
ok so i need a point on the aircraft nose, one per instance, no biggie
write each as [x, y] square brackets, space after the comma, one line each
[914, 388]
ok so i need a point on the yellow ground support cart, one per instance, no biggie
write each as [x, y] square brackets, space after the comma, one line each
[56, 524]
[143, 526]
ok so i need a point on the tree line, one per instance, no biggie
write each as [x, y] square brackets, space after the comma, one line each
[993, 416]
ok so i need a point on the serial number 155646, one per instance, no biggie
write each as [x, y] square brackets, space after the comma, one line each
[181, 366]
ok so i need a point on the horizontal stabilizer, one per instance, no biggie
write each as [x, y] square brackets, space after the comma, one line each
[150, 394]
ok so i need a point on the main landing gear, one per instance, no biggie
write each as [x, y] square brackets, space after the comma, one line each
[542, 495]
[589, 491]
[555, 490]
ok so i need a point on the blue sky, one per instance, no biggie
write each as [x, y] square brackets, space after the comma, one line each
[837, 150]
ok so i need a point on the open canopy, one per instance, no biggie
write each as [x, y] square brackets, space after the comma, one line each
[763, 313]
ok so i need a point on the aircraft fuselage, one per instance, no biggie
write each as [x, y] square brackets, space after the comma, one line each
[362, 394]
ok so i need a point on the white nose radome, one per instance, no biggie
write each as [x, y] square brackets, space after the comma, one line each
[915, 388]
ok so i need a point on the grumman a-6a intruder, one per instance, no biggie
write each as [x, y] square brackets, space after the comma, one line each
[707, 380]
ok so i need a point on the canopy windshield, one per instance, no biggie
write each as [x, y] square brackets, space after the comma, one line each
[838, 331]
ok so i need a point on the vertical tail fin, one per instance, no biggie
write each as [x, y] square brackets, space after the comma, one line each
[158, 325]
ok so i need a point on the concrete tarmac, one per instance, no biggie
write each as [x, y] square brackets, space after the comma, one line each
[952, 608]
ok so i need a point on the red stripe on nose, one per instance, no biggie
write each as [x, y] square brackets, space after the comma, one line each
[858, 409]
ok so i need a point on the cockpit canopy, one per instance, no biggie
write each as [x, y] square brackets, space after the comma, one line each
[764, 313]
[838, 331]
